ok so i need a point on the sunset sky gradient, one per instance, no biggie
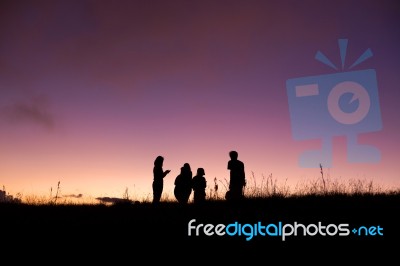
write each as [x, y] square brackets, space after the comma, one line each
[91, 92]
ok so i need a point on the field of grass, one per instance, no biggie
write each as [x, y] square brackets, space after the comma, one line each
[255, 188]
[128, 227]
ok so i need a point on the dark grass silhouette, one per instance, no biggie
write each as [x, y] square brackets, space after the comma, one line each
[126, 230]
[129, 231]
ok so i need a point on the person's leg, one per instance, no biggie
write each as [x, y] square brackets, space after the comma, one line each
[235, 192]
[157, 191]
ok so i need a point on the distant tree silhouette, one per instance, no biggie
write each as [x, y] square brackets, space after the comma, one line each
[158, 178]
[183, 184]
[237, 177]
[199, 185]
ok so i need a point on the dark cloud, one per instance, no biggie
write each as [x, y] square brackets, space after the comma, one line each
[73, 196]
[35, 111]
[112, 200]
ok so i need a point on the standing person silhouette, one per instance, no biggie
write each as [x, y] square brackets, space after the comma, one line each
[199, 185]
[183, 184]
[158, 178]
[237, 177]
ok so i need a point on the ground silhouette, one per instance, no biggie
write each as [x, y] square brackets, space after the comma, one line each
[138, 227]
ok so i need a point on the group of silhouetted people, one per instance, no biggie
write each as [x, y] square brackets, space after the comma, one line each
[185, 182]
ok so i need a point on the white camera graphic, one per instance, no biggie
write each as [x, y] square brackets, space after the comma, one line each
[344, 103]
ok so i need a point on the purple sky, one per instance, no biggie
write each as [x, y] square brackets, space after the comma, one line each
[92, 91]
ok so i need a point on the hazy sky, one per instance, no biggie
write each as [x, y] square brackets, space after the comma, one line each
[91, 92]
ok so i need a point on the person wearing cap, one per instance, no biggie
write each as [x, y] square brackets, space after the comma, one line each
[199, 185]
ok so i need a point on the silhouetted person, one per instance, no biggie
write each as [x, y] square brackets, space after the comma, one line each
[237, 177]
[158, 178]
[183, 184]
[199, 185]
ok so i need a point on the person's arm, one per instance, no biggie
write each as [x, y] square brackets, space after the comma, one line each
[166, 172]
[244, 175]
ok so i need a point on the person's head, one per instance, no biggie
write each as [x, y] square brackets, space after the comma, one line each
[200, 171]
[186, 166]
[233, 155]
[159, 161]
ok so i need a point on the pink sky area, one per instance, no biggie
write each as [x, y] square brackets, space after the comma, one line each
[91, 92]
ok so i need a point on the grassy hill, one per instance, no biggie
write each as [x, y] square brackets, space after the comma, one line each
[355, 222]
[135, 228]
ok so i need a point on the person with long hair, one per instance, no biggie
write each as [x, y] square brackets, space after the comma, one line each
[158, 178]
[183, 184]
